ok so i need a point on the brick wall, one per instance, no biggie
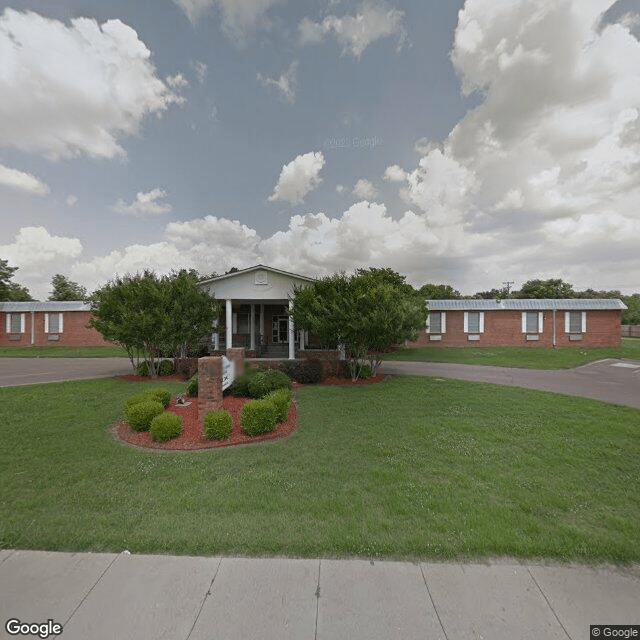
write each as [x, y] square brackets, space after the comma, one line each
[504, 329]
[75, 331]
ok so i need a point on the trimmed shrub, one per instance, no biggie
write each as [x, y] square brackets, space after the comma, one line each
[281, 400]
[192, 386]
[165, 368]
[364, 371]
[258, 416]
[139, 397]
[143, 368]
[141, 414]
[309, 372]
[218, 424]
[240, 386]
[161, 394]
[165, 426]
[265, 382]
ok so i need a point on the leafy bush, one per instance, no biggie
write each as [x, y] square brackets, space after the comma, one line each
[240, 386]
[265, 382]
[161, 394]
[281, 400]
[141, 414]
[364, 371]
[143, 368]
[165, 368]
[165, 426]
[192, 386]
[258, 416]
[218, 424]
[139, 397]
[308, 372]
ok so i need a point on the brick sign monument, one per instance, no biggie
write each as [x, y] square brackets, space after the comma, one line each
[215, 374]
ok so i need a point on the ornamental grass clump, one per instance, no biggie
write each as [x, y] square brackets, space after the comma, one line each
[141, 414]
[218, 424]
[259, 416]
[281, 399]
[264, 382]
[165, 426]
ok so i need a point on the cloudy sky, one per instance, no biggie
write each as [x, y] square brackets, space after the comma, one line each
[461, 142]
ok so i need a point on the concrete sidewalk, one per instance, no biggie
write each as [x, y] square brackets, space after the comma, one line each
[102, 596]
[610, 380]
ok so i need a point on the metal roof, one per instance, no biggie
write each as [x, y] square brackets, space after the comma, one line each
[47, 307]
[529, 304]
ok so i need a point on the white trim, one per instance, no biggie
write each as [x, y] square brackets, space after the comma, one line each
[567, 321]
[540, 322]
[481, 323]
[8, 322]
[466, 322]
[22, 323]
[46, 323]
[443, 321]
[584, 322]
[524, 322]
[60, 323]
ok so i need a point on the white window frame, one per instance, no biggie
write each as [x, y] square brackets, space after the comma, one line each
[60, 323]
[540, 327]
[567, 322]
[22, 323]
[480, 322]
[443, 322]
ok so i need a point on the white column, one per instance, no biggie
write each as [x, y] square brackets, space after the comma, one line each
[292, 335]
[229, 320]
[252, 328]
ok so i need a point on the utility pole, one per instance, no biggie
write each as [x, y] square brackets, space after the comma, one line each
[507, 286]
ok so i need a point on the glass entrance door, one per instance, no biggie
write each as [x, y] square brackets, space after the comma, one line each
[280, 330]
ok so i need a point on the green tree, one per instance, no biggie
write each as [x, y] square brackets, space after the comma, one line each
[553, 288]
[11, 291]
[632, 314]
[439, 292]
[153, 316]
[365, 313]
[65, 289]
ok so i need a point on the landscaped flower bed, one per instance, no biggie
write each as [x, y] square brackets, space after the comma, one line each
[192, 436]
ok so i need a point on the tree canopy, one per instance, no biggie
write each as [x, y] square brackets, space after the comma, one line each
[11, 291]
[154, 315]
[65, 289]
[364, 313]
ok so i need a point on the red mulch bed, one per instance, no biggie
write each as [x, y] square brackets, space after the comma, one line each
[192, 436]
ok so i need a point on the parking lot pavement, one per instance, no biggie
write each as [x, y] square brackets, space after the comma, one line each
[20, 371]
[614, 381]
[108, 596]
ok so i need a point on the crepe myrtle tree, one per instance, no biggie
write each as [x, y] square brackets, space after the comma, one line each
[151, 316]
[365, 313]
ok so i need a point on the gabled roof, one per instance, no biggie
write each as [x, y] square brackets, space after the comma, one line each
[257, 267]
[529, 304]
[47, 306]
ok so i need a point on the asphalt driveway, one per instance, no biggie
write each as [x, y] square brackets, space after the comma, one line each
[614, 381]
[19, 371]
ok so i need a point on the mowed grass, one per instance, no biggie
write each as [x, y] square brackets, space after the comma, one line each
[63, 352]
[412, 467]
[522, 357]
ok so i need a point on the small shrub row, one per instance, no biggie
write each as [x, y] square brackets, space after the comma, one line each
[141, 414]
[305, 371]
[264, 382]
[165, 426]
[159, 394]
[263, 414]
[163, 368]
[218, 424]
[240, 386]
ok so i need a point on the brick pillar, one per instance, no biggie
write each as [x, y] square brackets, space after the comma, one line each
[236, 355]
[209, 385]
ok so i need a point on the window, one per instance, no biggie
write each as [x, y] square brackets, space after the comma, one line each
[53, 323]
[575, 321]
[15, 323]
[437, 322]
[532, 321]
[474, 321]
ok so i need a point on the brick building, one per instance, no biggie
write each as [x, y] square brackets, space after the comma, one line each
[24, 324]
[522, 322]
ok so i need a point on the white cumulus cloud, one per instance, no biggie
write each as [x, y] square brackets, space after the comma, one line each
[145, 204]
[285, 85]
[299, 177]
[75, 89]
[22, 181]
[365, 189]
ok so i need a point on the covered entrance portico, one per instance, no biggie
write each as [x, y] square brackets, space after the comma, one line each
[256, 302]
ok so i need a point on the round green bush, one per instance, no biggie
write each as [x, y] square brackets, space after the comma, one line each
[281, 399]
[165, 368]
[218, 424]
[258, 416]
[265, 382]
[165, 426]
[143, 368]
[160, 394]
[139, 397]
[364, 371]
[141, 414]
[240, 386]
[192, 386]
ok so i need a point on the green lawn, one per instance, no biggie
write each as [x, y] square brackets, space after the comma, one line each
[62, 352]
[411, 467]
[522, 357]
